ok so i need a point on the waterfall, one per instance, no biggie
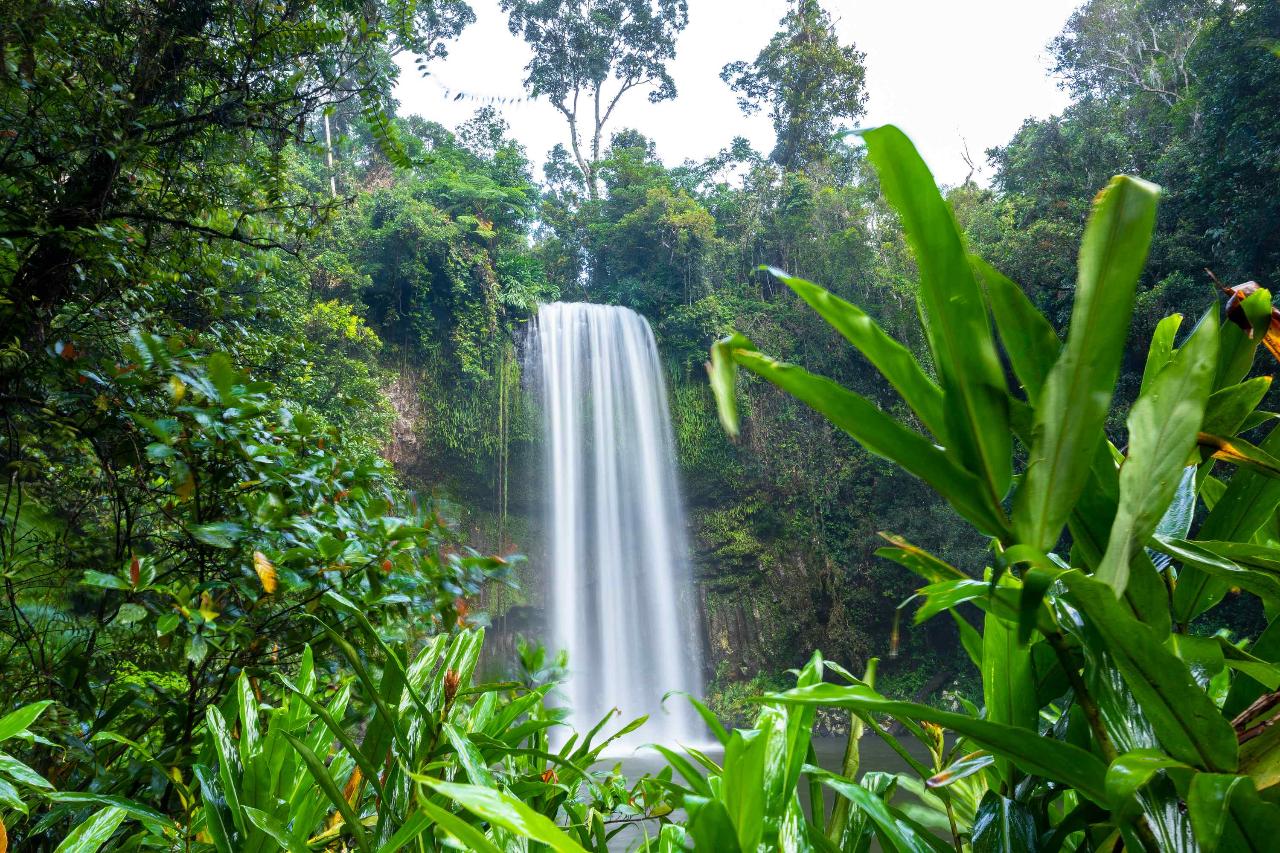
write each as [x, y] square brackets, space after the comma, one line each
[619, 587]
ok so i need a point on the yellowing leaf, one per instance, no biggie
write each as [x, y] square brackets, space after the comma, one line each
[266, 572]
[206, 607]
[177, 389]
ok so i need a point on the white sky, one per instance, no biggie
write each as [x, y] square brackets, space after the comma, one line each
[948, 72]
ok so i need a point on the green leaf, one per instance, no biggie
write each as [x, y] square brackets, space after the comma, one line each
[1249, 501]
[894, 361]
[722, 374]
[1077, 394]
[96, 831]
[1034, 754]
[432, 815]
[1008, 686]
[321, 774]
[896, 833]
[133, 809]
[1131, 771]
[219, 534]
[1239, 345]
[881, 435]
[1160, 350]
[1193, 555]
[129, 613]
[964, 352]
[1227, 814]
[104, 580]
[18, 721]
[501, 809]
[274, 828]
[230, 769]
[19, 772]
[1229, 408]
[1002, 825]
[1186, 721]
[370, 770]
[469, 757]
[1028, 337]
[217, 817]
[1163, 424]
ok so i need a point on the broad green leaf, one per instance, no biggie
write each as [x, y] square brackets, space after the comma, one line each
[918, 560]
[1028, 337]
[1192, 555]
[219, 534]
[1077, 394]
[502, 809]
[430, 815]
[217, 819]
[370, 770]
[321, 774]
[276, 830]
[1229, 408]
[1003, 826]
[1245, 690]
[881, 435]
[1163, 424]
[895, 832]
[955, 315]
[96, 831]
[92, 578]
[1131, 771]
[1186, 721]
[1032, 753]
[230, 769]
[1241, 453]
[1228, 815]
[19, 772]
[710, 826]
[1249, 501]
[1160, 350]
[469, 758]
[1008, 686]
[723, 377]
[17, 721]
[894, 361]
[133, 809]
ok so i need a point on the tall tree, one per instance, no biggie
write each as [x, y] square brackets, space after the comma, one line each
[588, 54]
[1114, 47]
[811, 84]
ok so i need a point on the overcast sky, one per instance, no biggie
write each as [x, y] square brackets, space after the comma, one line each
[950, 73]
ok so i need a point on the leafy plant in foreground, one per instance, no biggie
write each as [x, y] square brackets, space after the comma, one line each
[1108, 720]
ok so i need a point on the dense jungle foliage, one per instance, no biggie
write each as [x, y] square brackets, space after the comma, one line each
[263, 423]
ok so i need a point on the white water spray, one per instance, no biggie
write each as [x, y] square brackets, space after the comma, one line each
[620, 591]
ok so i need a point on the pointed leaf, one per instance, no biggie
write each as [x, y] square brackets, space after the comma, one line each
[964, 351]
[1077, 394]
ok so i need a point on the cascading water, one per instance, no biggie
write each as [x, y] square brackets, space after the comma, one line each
[619, 591]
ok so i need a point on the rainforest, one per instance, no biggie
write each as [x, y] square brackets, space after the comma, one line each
[375, 480]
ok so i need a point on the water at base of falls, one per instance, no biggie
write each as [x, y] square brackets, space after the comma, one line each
[619, 591]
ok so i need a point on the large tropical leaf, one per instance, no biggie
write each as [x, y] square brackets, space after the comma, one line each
[1077, 394]
[1034, 754]
[894, 361]
[1163, 425]
[1185, 719]
[875, 430]
[955, 314]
